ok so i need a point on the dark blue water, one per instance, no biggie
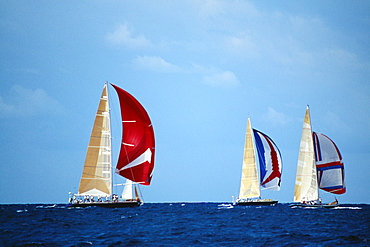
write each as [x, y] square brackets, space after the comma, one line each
[187, 224]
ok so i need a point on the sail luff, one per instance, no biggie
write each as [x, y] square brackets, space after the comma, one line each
[306, 187]
[249, 184]
[96, 175]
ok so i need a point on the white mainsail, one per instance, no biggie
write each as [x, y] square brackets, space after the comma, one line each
[306, 187]
[127, 190]
[96, 179]
[249, 185]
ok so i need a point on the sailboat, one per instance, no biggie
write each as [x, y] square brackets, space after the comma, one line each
[320, 166]
[263, 171]
[135, 161]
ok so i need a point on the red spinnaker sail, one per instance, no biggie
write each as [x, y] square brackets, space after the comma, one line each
[136, 158]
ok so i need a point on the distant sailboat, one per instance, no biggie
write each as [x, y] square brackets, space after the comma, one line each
[136, 158]
[319, 165]
[265, 171]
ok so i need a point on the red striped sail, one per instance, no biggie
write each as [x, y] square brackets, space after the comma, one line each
[269, 161]
[136, 158]
[329, 164]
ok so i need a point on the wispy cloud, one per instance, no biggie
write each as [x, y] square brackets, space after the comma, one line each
[155, 64]
[241, 44]
[210, 8]
[211, 76]
[31, 71]
[27, 102]
[216, 8]
[276, 118]
[333, 121]
[122, 35]
[223, 79]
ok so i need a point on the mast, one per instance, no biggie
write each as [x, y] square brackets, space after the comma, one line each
[249, 184]
[306, 187]
[110, 139]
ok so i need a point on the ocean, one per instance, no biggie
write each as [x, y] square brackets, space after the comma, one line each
[183, 224]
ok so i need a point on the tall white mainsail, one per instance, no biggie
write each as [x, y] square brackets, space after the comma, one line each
[249, 185]
[96, 179]
[306, 187]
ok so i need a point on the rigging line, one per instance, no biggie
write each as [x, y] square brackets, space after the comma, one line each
[120, 122]
[128, 161]
[132, 174]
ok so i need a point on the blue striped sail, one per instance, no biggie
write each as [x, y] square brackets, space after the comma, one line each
[269, 159]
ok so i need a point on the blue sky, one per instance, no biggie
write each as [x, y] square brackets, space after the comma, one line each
[200, 68]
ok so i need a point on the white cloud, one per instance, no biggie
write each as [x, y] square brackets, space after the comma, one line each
[154, 63]
[216, 8]
[5, 109]
[122, 35]
[341, 57]
[242, 45]
[223, 79]
[27, 102]
[276, 118]
[210, 8]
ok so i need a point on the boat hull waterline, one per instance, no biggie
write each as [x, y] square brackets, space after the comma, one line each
[257, 203]
[106, 204]
[313, 206]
